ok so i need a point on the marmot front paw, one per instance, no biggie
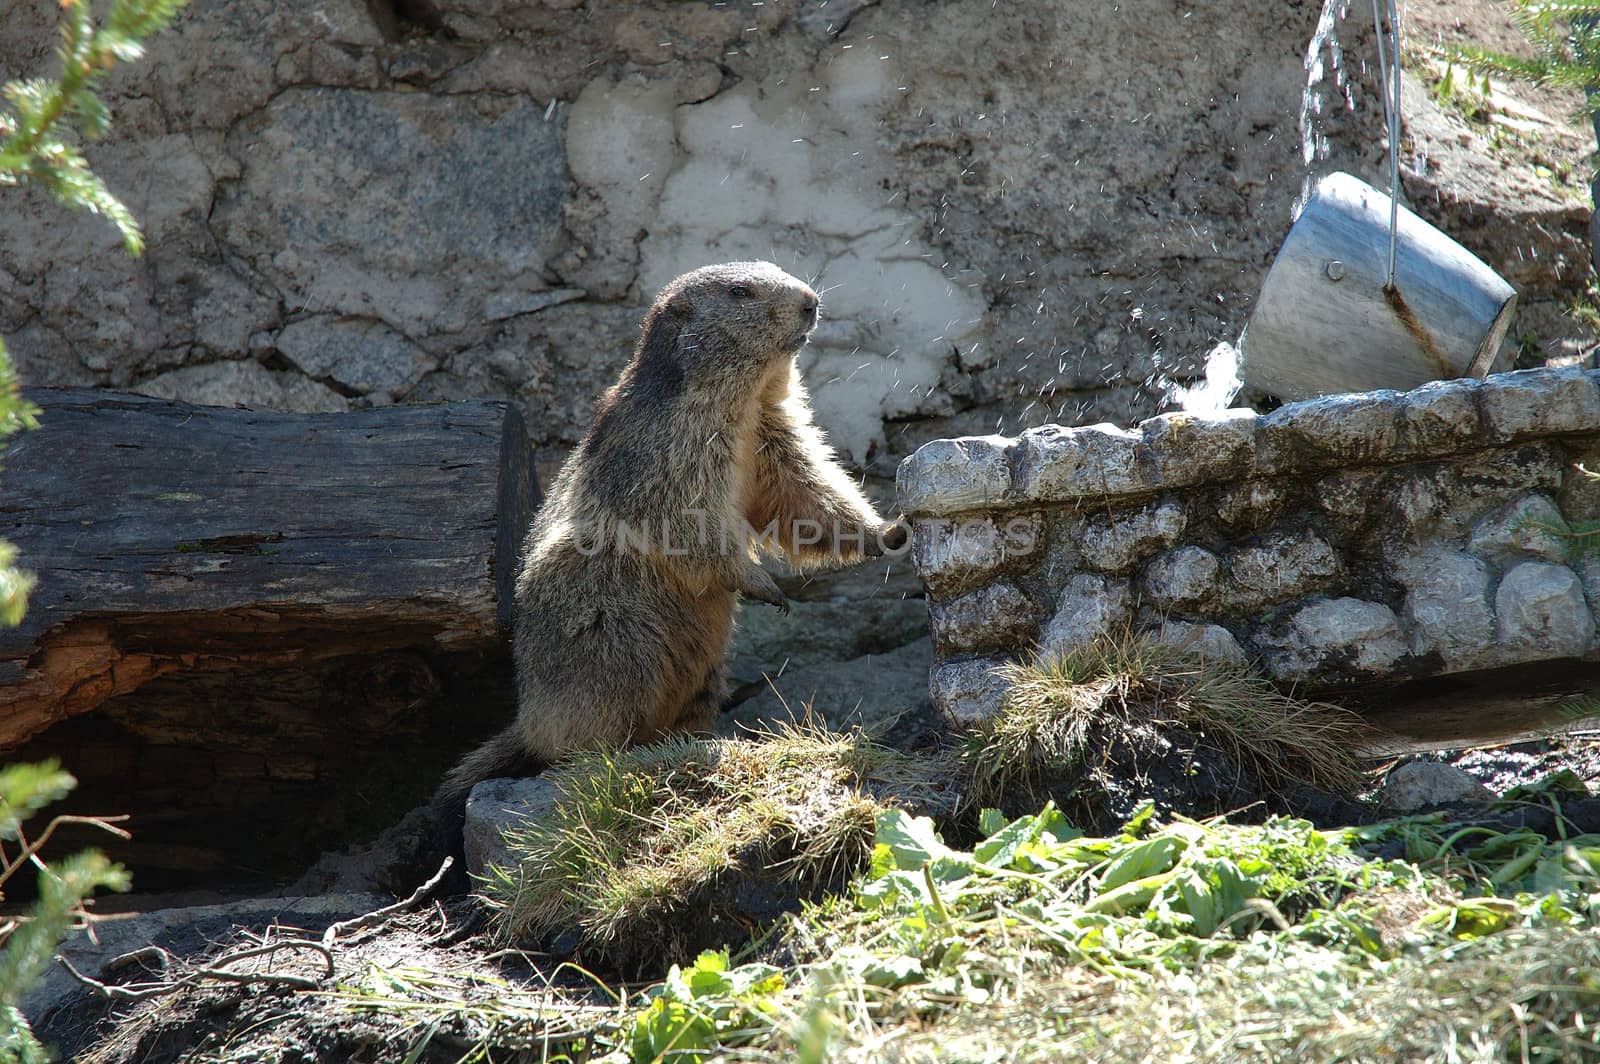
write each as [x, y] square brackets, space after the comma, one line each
[886, 540]
[756, 583]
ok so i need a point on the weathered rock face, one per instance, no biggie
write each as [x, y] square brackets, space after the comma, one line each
[355, 203]
[1388, 536]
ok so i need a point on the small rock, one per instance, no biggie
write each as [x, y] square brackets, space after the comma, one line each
[1209, 641]
[1090, 606]
[969, 690]
[1529, 525]
[994, 617]
[493, 808]
[1540, 612]
[1424, 784]
[952, 476]
[1447, 607]
[1182, 578]
[1115, 542]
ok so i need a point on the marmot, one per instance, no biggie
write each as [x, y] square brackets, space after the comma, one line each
[703, 451]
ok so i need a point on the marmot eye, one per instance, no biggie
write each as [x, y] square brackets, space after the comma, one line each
[740, 291]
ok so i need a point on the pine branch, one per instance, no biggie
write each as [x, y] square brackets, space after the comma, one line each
[34, 149]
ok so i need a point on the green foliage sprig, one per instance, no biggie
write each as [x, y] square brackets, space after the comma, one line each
[35, 147]
[27, 943]
[1565, 35]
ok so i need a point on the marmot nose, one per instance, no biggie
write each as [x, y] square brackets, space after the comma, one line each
[809, 304]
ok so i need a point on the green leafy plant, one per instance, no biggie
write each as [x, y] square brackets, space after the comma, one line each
[693, 1012]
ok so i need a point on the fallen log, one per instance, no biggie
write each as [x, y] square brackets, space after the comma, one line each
[232, 599]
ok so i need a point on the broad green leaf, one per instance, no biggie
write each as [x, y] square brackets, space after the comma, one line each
[912, 840]
[1140, 860]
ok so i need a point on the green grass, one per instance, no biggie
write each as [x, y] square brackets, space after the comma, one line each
[1191, 942]
[1058, 711]
[1170, 940]
[1166, 942]
[639, 837]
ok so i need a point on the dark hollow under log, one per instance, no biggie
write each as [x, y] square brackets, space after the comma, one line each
[263, 635]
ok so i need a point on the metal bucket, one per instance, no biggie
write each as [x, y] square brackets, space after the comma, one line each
[1326, 322]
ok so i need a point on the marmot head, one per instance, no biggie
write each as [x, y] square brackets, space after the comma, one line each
[727, 324]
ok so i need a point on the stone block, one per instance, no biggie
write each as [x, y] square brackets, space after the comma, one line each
[1530, 526]
[953, 476]
[1056, 464]
[1540, 612]
[1540, 402]
[1333, 431]
[1283, 564]
[1334, 636]
[1352, 497]
[1112, 543]
[1185, 578]
[998, 616]
[1447, 607]
[1440, 418]
[1187, 449]
[968, 690]
[1250, 505]
[1090, 606]
[954, 553]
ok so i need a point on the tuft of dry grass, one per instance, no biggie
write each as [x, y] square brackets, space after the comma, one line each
[640, 837]
[1058, 706]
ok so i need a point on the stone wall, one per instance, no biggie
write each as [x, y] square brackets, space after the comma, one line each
[1335, 542]
[1020, 213]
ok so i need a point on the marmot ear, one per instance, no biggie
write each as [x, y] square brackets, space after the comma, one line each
[681, 308]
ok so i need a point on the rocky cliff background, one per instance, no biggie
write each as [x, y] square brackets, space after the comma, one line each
[1018, 213]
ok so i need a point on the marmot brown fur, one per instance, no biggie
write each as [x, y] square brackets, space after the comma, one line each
[626, 596]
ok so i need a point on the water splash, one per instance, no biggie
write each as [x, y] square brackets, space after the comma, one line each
[1313, 98]
[1221, 383]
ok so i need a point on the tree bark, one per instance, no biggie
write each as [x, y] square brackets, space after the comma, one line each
[171, 540]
